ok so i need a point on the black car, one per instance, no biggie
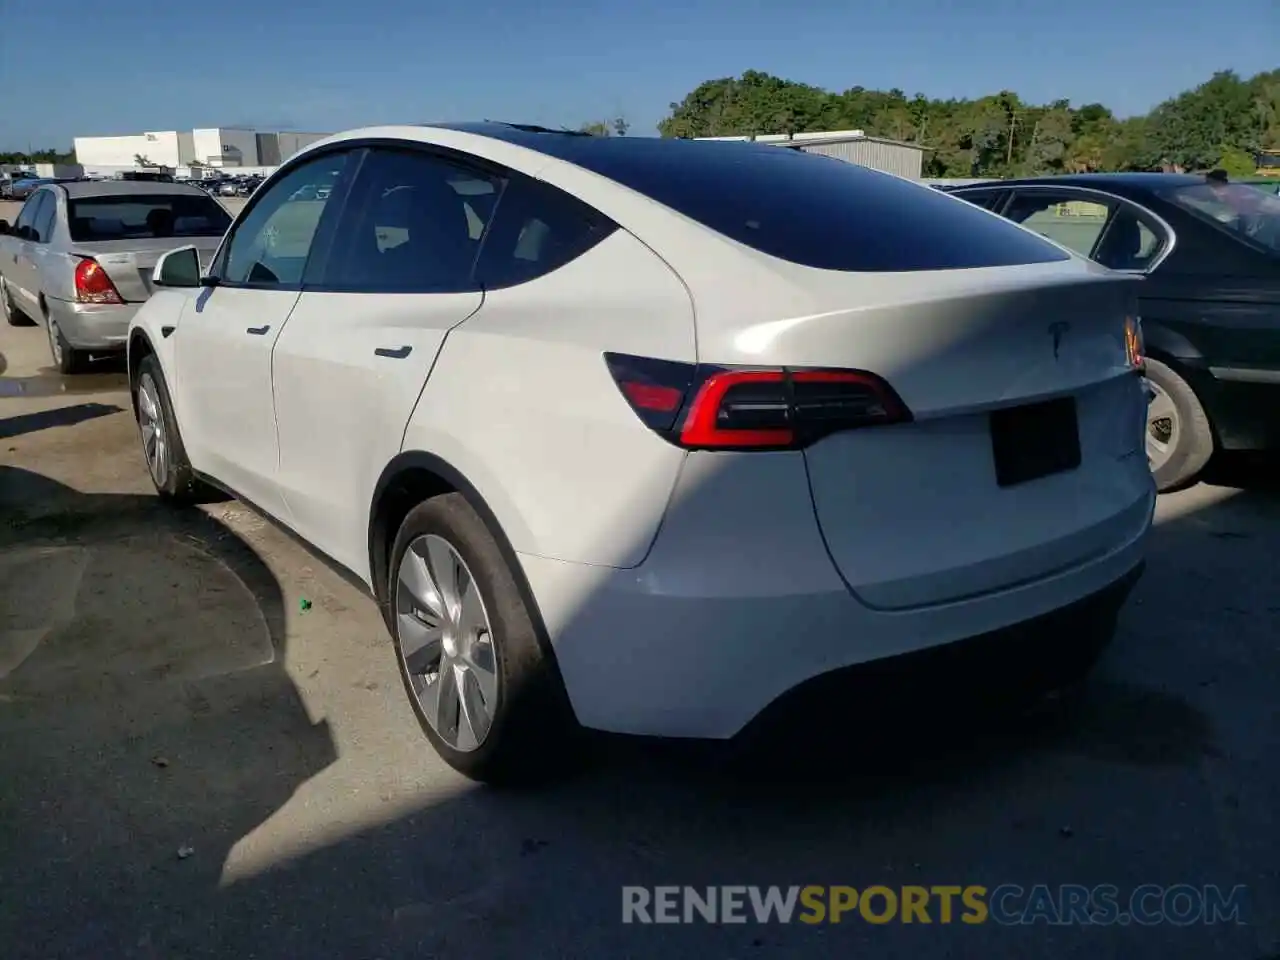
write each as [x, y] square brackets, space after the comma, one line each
[1209, 253]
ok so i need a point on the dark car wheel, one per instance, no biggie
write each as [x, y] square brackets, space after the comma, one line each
[488, 699]
[1179, 437]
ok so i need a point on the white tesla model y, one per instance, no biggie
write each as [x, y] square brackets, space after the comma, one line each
[640, 435]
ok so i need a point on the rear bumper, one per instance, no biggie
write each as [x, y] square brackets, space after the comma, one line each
[988, 670]
[93, 326]
[738, 603]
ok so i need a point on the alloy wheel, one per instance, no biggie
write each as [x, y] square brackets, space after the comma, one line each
[155, 446]
[446, 642]
[1163, 427]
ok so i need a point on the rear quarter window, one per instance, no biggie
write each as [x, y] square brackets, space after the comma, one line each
[537, 230]
[813, 210]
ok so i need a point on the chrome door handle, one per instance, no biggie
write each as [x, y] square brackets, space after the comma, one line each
[258, 331]
[395, 353]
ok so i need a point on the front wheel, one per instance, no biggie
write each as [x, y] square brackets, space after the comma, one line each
[162, 447]
[1179, 439]
[485, 694]
[12, 315]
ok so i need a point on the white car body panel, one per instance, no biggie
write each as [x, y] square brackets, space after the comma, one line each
[164, 311]
[341, 409]
[684, 591]
[229, 422]
[522, 387]
[906, 537]
[738, 602]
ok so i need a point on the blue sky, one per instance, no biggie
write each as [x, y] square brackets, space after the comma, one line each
[328, 65]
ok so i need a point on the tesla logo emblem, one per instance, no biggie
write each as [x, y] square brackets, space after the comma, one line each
[1058, 331]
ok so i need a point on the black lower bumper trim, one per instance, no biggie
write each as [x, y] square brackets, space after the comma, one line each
[1016, 664]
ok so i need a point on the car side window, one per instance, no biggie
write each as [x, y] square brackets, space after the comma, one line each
[269, 247]
[538, 229]
[1065, 218]
[1128, 243]
[42, 225]
[413, 224]
[27, 215]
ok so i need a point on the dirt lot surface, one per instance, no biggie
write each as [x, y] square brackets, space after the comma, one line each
[192, 765]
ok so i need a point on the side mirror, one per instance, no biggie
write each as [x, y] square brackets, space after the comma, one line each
[177, 268]
[4, 227]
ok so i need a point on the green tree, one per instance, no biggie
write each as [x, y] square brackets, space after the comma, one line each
[1237, 162]
[48, 155]
[999, 134]
[1051, 137]
[617, 127]
[1191, 129]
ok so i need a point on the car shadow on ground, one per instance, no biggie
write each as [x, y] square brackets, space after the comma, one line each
[59, 417]
[148, 722]
[1136, 779]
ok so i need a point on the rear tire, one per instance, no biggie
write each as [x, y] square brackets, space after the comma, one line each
[162, 448]
[507, 692]
[1179, 438]
[12, 315]
[66, 358]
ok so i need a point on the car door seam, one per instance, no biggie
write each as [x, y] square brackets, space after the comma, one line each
[404, 432]
[271, 376]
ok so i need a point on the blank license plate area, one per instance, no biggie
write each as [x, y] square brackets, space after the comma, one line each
[1035, 441]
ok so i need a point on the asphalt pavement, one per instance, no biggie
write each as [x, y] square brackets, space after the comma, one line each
[205, 752]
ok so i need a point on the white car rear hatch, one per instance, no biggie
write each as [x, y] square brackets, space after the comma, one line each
[1023, 455]
[1019, 452]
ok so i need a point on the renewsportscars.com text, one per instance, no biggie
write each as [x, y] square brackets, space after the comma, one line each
[1007, 904]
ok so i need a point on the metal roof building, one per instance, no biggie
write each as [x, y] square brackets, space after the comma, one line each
[853, 146]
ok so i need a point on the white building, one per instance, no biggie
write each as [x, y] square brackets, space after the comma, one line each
[166, 148]
[237, 147]
[225, 147]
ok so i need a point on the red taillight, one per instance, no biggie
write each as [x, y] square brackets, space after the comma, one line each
[93, 285]
[740, 408]
[649, 396]
[752, 409]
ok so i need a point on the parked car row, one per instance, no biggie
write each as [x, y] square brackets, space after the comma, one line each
[22, 187]
[230, 186]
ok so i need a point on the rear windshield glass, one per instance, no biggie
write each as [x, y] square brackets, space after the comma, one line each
[812, 210]
[1251, 214]
[146, 216]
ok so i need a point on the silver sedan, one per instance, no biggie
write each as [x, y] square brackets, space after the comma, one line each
[79, 257]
